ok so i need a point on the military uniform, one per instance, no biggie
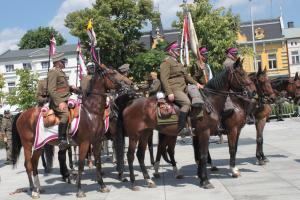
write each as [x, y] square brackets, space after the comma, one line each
[154, 87]
[6, 128]
[198, 74]
[228, 62]
[59, 91]
[229, 107]
[42, 96]
[279, 105]
[174, 80]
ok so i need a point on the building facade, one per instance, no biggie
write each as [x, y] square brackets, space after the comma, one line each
[292, 36]
[271, 48]
[36, 60]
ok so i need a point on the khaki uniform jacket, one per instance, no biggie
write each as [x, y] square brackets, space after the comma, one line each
[41, 93]
[173, 76]
[6, 125]
[228, 62]
[58, 87]
[155, 87]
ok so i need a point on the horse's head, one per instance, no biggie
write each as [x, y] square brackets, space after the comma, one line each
[263, 84]
[294, 88]
[239, 81]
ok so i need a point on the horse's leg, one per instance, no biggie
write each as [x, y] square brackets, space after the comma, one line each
[130, 158]
[203, 140]
[171, 151]
[89, 157]
[44, 161]
[75, 155]
[260, 125]
[83, 149]
[28, 164]
[63, 166]
[150, 147]
[97, 155]
[232, 143]
[196, 150]
[70, 158]
[141, 158]
[35, 161]
[209, 161]
[161, 147]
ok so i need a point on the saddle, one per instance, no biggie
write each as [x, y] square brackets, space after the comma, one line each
[50, 119]
[165, 110]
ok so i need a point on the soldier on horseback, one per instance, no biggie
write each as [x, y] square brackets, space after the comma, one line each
[59, 92]
[197, 71]
[174, 80]
[42, 93]
[86, 79]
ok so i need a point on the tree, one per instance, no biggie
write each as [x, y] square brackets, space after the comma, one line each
[2, 83]
[117, 24]
[148, 61]
[39, 38]
[24, 94]
[216, 29]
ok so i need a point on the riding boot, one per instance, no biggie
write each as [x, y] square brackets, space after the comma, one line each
[62, 131]
[194, 93]
[183, 131]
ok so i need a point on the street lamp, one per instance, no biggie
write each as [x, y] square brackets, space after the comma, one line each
[253, 38]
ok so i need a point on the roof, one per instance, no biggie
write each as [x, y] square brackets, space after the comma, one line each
[38, 52]
[290, 33]
[271, 29]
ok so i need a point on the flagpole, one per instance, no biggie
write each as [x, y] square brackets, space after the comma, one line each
[78, 52]
[51, 35]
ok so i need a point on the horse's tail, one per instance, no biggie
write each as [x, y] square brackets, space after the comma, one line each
[49, 153]
[120, 145]
[16, 140]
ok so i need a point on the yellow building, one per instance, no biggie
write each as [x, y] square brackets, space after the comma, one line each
[271, 49]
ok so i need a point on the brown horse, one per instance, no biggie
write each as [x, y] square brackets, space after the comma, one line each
[139, 120]
[90, 130]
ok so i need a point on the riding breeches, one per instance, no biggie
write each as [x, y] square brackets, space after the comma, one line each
[183, 100]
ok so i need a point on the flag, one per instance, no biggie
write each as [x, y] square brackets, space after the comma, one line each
[80, 60]
[52, 45]
[91, 33]
[184, 53]
[193, 36]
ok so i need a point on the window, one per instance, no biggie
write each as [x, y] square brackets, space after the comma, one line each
[9, 68]
[11, 86]
[258, 61]
[272, 61]
[295, 57]
[27, 66]
[45, 64]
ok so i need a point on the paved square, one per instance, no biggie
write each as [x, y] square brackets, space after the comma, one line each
[279, 179]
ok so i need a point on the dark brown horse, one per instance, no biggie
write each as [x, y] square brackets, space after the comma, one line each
[139, 120]
[90, 130]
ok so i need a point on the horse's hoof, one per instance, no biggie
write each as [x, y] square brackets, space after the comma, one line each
[235, 175]
[104, 190]
[214, 169]
[261, 162]
[151, 184]
[265, 159]
[207, 185]
[135, 188]
[156, 175]
[179, 176]
[80, 194]
[42, 190]
[35, 195]
[124, 180]
[235, 172]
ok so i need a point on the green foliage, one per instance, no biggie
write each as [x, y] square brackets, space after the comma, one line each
[2, 83]
[117, 24]
[25, 93]
[216, 29]
[39, 38]
[147, 61]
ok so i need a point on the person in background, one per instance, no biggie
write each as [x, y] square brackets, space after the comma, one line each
[6, 128]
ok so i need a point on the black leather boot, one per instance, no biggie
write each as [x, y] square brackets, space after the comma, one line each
[182, 130]
[62, 131]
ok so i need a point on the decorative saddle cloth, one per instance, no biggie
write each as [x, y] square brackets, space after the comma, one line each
[166, 113]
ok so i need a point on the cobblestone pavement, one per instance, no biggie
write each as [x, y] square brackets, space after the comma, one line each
[279, 179]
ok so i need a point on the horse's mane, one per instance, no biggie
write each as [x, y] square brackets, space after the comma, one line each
[218, 81]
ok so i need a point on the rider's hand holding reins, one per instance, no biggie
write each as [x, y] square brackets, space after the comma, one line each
[171, 97]
[199, 86]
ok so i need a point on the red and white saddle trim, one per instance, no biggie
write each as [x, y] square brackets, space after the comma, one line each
[44, 135]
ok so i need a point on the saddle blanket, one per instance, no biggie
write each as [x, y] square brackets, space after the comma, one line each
[44, 135]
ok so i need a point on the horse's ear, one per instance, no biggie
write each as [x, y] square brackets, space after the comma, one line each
[265, 70]
[237, 63]
[296, 76]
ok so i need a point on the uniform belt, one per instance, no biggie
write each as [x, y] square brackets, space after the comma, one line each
[64, 89]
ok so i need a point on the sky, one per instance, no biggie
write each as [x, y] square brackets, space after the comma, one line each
[19, 16]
